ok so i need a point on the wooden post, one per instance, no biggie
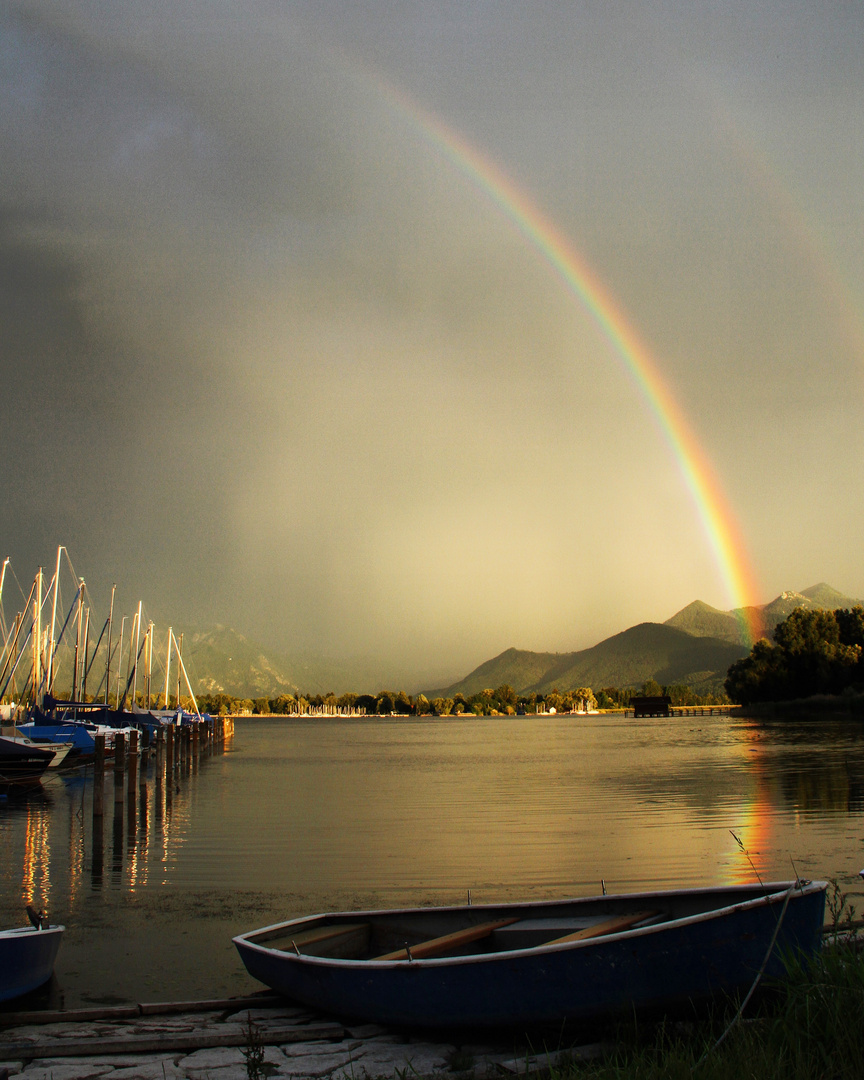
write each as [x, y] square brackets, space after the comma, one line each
[119, 752]
[169, 751]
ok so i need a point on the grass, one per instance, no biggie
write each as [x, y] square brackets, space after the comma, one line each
[810, 1027]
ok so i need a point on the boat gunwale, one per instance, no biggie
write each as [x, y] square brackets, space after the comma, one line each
[777, 895]
[15, 933]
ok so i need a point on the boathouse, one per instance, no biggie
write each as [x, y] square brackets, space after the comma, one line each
[651, 706]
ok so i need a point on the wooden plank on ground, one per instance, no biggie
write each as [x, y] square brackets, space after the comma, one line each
[167, 1042]
[440, 946]
[609, 926]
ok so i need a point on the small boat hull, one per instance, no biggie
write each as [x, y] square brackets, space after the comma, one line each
[21, 759]
[709, 943]
[27, 958]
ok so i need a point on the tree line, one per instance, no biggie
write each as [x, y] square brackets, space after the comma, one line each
[813, 652]
[501, 701]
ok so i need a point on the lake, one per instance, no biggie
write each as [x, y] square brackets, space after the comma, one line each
[300, 815]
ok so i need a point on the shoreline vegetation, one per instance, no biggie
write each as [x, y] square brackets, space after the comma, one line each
[501, 701]
[809, 1025]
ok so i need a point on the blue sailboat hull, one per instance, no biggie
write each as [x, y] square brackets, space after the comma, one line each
[694, 944]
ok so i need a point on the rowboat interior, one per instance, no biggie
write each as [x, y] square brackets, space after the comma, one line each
[424, 934]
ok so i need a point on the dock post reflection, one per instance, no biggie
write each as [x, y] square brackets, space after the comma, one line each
[97, 856]
[98, 776]
[132, 789]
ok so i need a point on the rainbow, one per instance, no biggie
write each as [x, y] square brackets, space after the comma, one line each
[717, 519]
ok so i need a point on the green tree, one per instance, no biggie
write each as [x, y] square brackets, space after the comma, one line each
[385, 703]
[282, 704]
[583, 698]
[505, 695]
[809, 656]
[403, 704]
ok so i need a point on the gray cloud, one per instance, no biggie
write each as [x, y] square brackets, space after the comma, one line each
[267, 357]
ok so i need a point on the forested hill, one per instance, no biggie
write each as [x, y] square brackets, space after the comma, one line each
[646, 651]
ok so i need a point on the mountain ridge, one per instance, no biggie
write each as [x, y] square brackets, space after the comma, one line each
[694, 647]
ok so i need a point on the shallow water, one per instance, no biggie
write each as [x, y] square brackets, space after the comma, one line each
[297, 816]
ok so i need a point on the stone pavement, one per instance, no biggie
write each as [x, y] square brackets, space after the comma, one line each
[152, 1042]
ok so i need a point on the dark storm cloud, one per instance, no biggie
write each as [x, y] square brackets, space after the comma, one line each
[268, 359]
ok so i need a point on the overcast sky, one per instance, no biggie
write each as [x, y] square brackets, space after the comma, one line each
[268, 359]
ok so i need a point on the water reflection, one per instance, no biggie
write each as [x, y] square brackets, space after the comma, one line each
[298, 816]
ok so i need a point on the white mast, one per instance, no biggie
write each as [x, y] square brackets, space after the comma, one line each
[49, 676]
[3, 630]
[137, 643]
[37, 637]
[86, 649]
[108, 660]
[120, 661]
[149, 661]
[168, 669]
[77, 641]
[188, 684]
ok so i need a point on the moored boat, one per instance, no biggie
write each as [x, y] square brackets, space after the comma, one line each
[27, 956]
[22, 759]
[532, 963]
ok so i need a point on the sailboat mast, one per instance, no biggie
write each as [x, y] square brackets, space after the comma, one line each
[120, 662]
[49, 677]
[77, 640]
[179, 659]
[86, 646]
[3, 630]
[188, 684]
[37, 637]
[137, 650]
[149, 662]
[168, 671]
[108, 658]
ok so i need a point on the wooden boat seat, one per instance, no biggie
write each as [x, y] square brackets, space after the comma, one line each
[615, 925]
[447, 943]
[339, 940]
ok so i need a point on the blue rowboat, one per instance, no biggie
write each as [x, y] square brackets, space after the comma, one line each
[27, 956]
[534, 963]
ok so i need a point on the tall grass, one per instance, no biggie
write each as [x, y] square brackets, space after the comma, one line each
[810, 1027]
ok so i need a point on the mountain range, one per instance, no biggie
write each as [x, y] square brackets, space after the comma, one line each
[695, 647]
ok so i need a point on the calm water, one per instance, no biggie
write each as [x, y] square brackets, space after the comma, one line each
[298, 816]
